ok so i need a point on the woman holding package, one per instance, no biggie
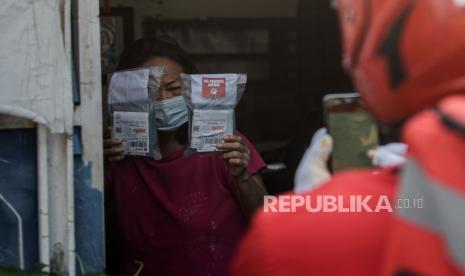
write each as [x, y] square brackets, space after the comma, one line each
[177, 215]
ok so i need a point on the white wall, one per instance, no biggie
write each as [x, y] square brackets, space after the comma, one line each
[207, 8]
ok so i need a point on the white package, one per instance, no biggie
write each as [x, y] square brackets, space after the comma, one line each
[211, 100]
[130, 101]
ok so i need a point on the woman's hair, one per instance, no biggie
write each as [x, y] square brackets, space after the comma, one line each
[147, 48]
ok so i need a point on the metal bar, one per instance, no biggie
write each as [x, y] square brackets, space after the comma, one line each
[90, 87]
[42, 198]
[61, 190]
[70, 207]
[20, 231]
[68, 143]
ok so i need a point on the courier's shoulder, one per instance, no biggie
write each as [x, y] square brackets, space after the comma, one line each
[361, 180]
[375, 183]
[311, 238]
[379, 175]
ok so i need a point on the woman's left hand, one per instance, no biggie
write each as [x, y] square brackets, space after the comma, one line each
[237, 155]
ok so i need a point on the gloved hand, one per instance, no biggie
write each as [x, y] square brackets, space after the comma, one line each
[312, 170]
[388, 155]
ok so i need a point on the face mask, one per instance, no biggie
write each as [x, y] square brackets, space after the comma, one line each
[170, 114]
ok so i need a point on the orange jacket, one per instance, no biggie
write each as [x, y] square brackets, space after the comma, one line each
[304, 243]
[431, 240]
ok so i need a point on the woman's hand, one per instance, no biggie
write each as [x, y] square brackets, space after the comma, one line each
[112, 149]
[237, 155]
[250, 188]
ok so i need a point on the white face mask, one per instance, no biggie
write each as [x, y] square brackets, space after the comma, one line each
[170, 114]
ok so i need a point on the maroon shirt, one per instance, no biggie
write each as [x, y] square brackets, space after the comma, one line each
[177, 216]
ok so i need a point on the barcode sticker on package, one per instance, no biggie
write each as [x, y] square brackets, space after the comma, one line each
[209, 128]
[132, 128]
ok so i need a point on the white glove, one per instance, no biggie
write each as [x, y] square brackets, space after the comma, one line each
[312, 170]
[388, 155]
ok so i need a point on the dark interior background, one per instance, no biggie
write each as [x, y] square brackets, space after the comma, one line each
[289, 49]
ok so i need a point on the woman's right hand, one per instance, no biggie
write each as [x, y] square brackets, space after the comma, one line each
[112, 148]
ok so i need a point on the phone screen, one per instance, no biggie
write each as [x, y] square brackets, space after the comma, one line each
[353, 129]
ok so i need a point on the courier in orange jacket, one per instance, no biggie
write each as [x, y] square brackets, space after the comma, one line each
[431, 240]
[407, 60]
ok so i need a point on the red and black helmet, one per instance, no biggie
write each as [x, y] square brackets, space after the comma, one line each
[403, 55]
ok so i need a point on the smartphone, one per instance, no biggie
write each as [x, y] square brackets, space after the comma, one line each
[353, 129]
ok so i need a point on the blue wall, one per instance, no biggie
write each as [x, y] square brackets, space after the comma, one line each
[18, 184]
[89, 214]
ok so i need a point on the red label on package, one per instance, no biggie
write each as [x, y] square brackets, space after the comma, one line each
[213, 87]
